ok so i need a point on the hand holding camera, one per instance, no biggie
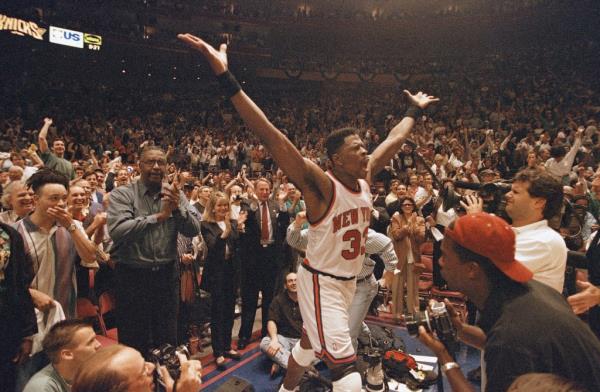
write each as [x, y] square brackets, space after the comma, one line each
[440, 320]
[173, 363]
[472, 204]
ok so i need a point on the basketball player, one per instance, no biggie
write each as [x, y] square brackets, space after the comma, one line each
[338, 207]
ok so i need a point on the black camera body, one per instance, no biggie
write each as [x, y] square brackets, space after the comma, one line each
[492, 194]
[166, 355]
[436, 319]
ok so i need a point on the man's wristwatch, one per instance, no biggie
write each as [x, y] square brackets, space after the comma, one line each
[72, 227]
[449, 366]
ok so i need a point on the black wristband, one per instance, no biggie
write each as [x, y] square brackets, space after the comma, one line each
[229, 84]
[414, 112]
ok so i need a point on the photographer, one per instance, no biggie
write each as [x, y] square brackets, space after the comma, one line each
[479, 261]
[535, 197]
[119, 368]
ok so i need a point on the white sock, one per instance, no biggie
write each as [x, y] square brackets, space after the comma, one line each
[375, 378]
[350, 383]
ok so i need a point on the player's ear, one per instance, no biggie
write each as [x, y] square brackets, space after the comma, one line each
[336, 159]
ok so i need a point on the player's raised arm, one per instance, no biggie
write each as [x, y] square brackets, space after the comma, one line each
[305, 174]
[390, 146]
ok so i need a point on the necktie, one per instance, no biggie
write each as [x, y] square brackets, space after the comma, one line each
[264, 224]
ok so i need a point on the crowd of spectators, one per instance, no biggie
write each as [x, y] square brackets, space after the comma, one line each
[64, 167]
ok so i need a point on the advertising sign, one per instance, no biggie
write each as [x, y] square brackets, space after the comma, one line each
[66, 37]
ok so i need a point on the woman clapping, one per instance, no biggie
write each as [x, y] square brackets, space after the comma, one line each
[407, 231]
[221, 234]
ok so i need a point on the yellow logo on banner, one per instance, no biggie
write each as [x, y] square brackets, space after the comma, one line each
[21, 27]
[92, 39]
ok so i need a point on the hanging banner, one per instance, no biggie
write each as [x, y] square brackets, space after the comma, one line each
[66, 37]
[21, 27]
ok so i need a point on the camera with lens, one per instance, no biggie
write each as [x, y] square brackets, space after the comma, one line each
[491, 193]
[436, 319]
[166, 355]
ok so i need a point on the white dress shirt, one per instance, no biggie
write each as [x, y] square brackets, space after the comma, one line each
[543, 251]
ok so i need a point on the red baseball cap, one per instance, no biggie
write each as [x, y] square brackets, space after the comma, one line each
[491, 237]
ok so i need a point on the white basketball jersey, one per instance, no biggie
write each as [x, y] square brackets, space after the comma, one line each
[336, 244]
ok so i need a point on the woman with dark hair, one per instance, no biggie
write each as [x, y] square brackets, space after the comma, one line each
[221, 234]
[407, 231]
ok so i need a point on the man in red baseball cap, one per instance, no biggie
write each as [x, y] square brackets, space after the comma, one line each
[524, 326]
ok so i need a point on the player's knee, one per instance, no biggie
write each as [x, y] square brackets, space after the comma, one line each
[346, 378]
[303, 357]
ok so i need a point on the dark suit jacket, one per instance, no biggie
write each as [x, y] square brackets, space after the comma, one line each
[217, 270]
[279, 221]
[18, 318]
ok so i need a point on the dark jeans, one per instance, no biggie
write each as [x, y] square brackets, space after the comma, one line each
[147, 305]
[259, 275]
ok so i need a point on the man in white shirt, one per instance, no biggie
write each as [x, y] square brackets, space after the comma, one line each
[536, 197]
[561, 162]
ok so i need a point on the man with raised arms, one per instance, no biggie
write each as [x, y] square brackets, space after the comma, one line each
[338, 204]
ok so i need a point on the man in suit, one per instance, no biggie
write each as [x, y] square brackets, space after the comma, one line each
[262, 251]
[92, 178]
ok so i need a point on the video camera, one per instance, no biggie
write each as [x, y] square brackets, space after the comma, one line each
[492, 194]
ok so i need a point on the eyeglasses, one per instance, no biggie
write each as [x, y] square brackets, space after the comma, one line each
[407, 205]
[152, 162]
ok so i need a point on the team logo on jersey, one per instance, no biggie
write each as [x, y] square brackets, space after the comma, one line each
[351, 217]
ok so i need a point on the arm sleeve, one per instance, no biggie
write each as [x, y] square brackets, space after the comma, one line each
[274, 311]
[567, 162]
[109, 182]
[26, 312]
[188, 220]
[123, 226]
[297, 238]
[47, 157]
[381, 245]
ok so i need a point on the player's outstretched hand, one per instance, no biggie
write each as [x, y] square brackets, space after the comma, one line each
[420, 99]
[217, 59]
